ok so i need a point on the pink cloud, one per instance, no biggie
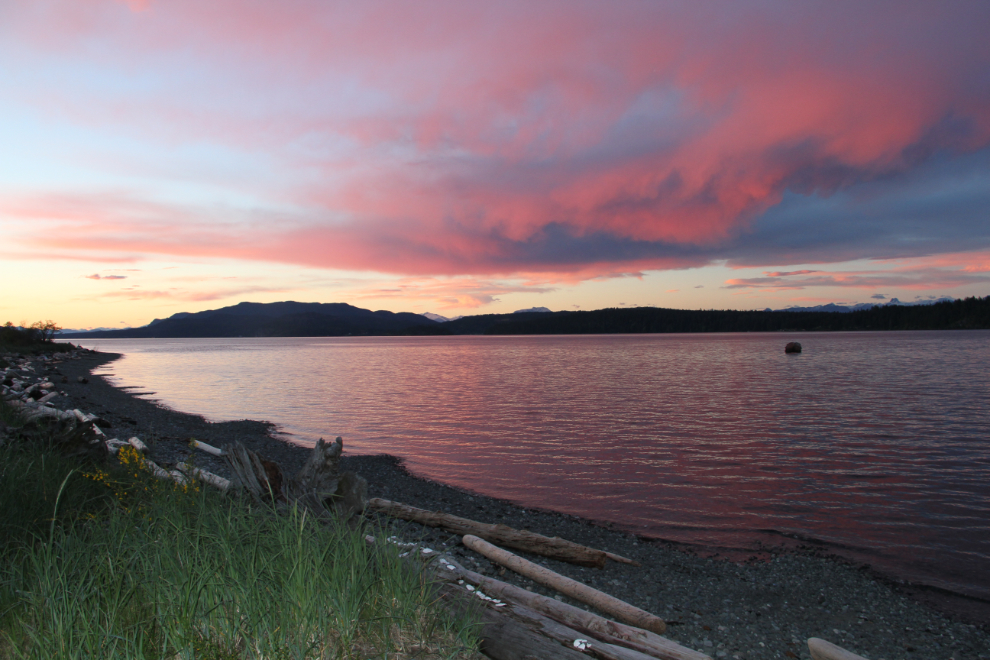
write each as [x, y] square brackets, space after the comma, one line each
[97, 276]
[186, 295]
[924, 274]
[788, 274]
[457, 293]
[554, 138]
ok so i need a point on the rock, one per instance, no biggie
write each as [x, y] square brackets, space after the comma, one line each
[65, 379]
[792, 347]
[82, 380]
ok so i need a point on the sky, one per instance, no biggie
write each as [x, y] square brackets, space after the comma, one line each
[161, 156]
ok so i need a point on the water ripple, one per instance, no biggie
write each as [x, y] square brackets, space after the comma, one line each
[874, 442]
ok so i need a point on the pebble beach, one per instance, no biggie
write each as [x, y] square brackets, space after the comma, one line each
[762, 605]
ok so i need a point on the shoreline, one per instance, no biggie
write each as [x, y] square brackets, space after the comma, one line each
[765, 608]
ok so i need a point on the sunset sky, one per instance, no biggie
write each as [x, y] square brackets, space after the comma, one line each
[464, 157]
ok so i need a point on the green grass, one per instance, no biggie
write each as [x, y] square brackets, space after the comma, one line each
[104, 561]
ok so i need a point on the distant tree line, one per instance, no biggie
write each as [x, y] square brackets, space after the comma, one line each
[965, 314]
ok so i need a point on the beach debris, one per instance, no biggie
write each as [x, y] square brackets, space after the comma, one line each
[565, 585]
[792, 347]
[319, 485]
[509, 636]
[137, 444]
[206, 477]
[823, 650]
[202, 446]
[587, 624]
[517, 623]
[537, 544]
[262, 481]
[114, 445]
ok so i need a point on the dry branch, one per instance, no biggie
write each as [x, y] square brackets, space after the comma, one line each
[537, 544]
[565, 585]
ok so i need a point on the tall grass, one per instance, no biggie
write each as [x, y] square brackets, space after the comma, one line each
[108, 563]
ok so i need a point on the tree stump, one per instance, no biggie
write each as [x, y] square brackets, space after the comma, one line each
[319, 485]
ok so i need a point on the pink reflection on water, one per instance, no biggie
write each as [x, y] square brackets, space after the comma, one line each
[873, 442]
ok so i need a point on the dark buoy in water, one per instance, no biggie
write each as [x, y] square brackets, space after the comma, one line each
[792, 347]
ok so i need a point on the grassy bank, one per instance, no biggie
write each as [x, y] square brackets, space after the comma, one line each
[105, 561]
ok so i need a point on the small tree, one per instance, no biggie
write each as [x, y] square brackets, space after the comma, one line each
[46, 329]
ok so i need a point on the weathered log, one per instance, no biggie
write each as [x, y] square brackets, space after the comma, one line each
[206, 477]
[572, 638]
[822, 650]
[565, 585]
[137, 444]
[504, 638]
[157, 470]
[537, 544]
[497, 617]
[202, 446]
[584, 622]
[83, 417]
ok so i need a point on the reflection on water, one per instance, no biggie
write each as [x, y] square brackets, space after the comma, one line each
[878, 442]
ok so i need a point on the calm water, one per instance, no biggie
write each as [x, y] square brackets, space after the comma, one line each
[877, 444]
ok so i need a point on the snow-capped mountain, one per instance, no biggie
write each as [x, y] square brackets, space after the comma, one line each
[841, 307]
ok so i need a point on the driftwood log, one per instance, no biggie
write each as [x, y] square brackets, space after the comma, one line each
[516, 632]
[586, 624]
[537, 544]
[320, 485]
[503, 637]
[565, 585]
[202, 446]
[822, 650]
[206, 477]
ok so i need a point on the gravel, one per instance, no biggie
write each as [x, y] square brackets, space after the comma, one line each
[763, 606]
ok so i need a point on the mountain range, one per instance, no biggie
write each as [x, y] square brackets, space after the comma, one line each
[294, 319]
